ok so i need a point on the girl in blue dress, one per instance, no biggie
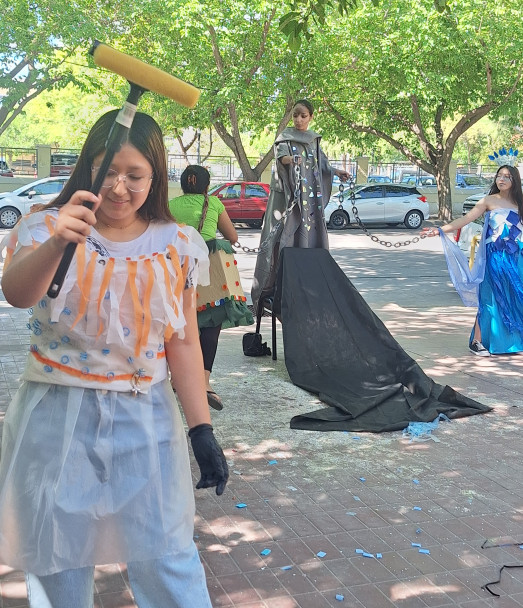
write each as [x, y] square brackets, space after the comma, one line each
[495, 282]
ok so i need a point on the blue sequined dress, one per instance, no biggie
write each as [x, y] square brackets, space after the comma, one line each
[495, 282]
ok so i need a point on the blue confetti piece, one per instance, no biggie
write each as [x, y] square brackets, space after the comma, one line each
[416, 508]
[357, 498]
[357, 438]
[379, 555]
[360, 551]
[340, 597]
[521, 546]
[286, 568]
[321, 554]
[265, 552]
[362, 479]
[416, 544]
[350, 513]
[367, 555]
[273, 462]
[425, 551]
[241, 505]
[416, 481]
[418, 531]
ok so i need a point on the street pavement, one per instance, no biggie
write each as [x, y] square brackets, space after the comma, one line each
[350, 519]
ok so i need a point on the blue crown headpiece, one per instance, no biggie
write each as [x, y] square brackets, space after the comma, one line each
[505, 157]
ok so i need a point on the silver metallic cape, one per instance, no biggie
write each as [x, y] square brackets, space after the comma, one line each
[304, 225]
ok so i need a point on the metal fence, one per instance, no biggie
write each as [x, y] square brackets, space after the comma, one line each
[24, 162]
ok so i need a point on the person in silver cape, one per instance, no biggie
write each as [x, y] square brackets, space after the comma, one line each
[300, 189]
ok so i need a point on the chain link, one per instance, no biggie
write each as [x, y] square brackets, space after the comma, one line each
[352, 195]
[374, 238]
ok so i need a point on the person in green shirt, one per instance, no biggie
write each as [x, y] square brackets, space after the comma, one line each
[207, 214]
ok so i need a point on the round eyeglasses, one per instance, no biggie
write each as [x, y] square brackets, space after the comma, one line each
[133, 182]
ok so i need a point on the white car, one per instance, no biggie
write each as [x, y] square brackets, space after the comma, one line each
[390, 204]
[18, 202]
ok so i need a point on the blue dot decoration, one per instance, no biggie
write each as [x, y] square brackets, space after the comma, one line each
[126, 331]
[85, 370]
[65, 360]
[48, 369]
[105, 351]
[110, 375]
[53, 344]
[149, 354]
[65, 339]
[83, 356]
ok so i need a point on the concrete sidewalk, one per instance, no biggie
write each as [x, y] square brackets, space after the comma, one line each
[314, 500]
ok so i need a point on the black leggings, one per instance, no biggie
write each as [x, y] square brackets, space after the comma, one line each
[209, 344]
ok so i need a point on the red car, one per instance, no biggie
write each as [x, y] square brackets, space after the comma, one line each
[244, 201]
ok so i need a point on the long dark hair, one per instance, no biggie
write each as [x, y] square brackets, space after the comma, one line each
[515, 192]
[146, 136]
[195, 180]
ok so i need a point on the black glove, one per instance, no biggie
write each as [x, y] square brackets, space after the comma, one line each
[209, 456]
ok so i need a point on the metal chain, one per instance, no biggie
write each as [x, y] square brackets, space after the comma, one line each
[352, 196]
[296, 200]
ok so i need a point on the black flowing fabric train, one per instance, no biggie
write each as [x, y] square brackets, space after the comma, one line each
[337, 348]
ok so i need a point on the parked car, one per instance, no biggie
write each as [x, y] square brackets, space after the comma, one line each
[18, 202]
[464, 180]
[390, 204]
[5, 171]
[378, 179]
[63, 164]
[244, 201]
[24, 165]
[423, 180]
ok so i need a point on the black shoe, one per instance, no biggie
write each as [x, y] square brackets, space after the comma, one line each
[478, 349]
[214, 401]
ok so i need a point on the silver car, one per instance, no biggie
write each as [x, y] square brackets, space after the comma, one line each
[18, 202]
[390, 204]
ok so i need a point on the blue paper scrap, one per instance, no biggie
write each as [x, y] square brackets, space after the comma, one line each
[521, 546]
[367, 555]
[422, 431]
[321, 554]
[418, 531]
[379, 555]
[241, 505]
[360, 551]
[362, 479]
[416, 544]
[356, 498]
[416, 508]
[340, 597]
[357, 438]
[426, 551]
[265, 552]
[273, 462]
[416, 481]
[286, 568]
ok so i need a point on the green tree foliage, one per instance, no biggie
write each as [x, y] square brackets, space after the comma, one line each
[403, 73]
[234, 52]
[40, 40]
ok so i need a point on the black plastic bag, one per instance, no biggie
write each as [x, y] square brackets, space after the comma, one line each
[253, 345]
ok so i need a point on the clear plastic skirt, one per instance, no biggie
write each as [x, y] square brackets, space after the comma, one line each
[93, 477]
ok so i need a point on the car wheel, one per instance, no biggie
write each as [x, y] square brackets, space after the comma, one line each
[8, 217]
[255, 223]
[339, 220]
[413, 219]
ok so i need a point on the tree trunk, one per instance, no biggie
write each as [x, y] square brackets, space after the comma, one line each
[444, 193]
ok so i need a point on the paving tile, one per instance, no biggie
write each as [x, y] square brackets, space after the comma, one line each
[313, 499]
